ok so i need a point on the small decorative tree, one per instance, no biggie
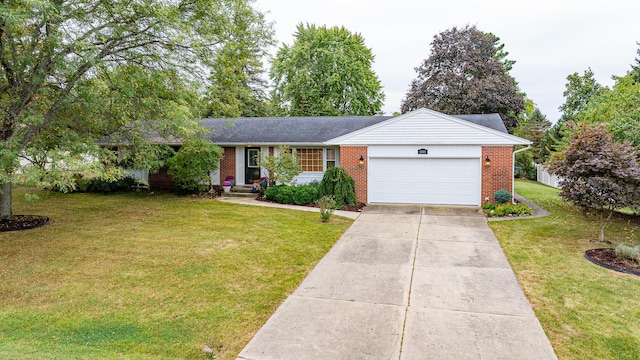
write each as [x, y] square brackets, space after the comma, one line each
[598, 174]
[336, 182]
[282, 168]
[191, 165]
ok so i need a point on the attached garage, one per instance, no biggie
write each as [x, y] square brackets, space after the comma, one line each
[436, 174]
[426, 157]
[425, 181]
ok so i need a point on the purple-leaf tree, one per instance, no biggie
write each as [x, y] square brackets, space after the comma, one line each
[598, 174]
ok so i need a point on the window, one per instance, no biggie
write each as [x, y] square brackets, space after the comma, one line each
[331, 158]
[310, 159]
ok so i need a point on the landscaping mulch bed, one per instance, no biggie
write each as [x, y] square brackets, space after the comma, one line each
[606, 257]
[23, 222]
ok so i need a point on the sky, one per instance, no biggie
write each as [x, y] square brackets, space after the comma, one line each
[548, 39]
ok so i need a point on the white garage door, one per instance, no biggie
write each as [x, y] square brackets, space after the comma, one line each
[424, 181]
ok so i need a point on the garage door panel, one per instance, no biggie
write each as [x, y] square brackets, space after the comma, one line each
[425, 181]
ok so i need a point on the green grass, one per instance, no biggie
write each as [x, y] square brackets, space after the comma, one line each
[588, 312]
[150, 277]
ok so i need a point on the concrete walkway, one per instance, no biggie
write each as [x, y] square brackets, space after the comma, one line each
[407, 282]
[254, 202]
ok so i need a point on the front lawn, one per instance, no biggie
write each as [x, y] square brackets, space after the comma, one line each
[588, 312]
[150, 277]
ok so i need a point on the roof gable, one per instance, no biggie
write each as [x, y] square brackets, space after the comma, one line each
[425, 126]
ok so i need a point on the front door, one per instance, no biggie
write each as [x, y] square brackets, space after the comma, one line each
[252, 168]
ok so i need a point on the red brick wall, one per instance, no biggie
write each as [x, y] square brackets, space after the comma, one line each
[228, 163]
[350, 161]
[161, 180]
[499, 174]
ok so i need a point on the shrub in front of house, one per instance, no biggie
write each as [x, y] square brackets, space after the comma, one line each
[502, 196]
[506, 209]
[287, 194]
[336, 182]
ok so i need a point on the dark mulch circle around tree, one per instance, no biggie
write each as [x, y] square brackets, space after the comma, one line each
[23, 222]
[606, 257]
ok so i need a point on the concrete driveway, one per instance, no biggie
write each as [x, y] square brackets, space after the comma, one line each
[407, 282]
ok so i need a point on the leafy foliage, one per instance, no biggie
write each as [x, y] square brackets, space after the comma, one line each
[281, 168]
[326, 72]
[106, 186]
[191, 165]
[336, 182]
[287, 194]
[502, 196]
[499, 210]
[327, 206]
[619, 109]
[598, 174]
[237, 87]
[534, 127]
[579, 90]
[466, 73]
[77, 71]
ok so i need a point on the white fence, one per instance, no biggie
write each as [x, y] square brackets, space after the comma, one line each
[544, 177]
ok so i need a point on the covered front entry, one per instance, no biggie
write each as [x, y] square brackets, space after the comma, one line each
[252, 167]
[442, 181]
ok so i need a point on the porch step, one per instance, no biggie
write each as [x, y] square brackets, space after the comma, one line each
[240, 191]
[239, 194]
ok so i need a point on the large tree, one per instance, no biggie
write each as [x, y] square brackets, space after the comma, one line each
[466, 73]
[238, 87]
[327, 71]
[597, 173]
[534, 127]
[579, 90]
[578, 93]
[618, 108]
[77, 70]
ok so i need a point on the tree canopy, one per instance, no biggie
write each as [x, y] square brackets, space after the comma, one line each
[326, 72]
[77, 70]
[579, 90]
[618, 108]
[466, 73]
[237, 85]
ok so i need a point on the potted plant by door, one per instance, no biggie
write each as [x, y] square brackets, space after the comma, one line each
[226, 186]
[255, 187]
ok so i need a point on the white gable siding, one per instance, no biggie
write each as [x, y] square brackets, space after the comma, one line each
[427, 127]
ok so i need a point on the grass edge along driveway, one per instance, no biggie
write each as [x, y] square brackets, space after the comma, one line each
[150, 277]
[587, 312]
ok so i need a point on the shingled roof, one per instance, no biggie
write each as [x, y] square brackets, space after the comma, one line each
[286, 130]
[308, 129]
[492, 121]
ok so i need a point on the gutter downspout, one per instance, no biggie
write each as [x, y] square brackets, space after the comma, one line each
[513, 173]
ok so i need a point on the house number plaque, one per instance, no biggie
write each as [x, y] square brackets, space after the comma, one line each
[422, 151]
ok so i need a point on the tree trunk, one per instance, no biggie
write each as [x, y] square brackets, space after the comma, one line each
[6, 207]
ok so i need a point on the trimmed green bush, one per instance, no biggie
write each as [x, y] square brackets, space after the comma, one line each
[286, 194]
[103, 186]
[337, 182]
[502, 196]
[506, 209]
